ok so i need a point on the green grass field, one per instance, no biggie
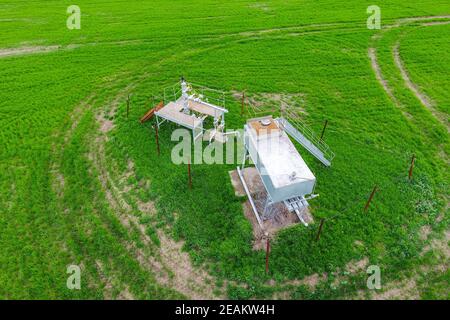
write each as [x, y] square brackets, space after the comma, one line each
[82, 184]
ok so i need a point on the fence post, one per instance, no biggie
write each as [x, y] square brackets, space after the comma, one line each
[370, 198]
[320, 229]
[323, 130]
[267, 254]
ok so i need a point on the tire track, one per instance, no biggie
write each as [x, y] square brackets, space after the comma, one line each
[172, 267]
[423, 98]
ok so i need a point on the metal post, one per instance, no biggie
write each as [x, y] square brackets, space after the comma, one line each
[323, 130]
[189, 173]
[413, 159]
[267, 255]
[320, 229]
[370, 198]
[157, 139]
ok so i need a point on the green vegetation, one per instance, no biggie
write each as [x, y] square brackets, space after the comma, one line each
[73, 192]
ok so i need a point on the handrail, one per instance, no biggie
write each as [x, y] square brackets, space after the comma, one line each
[310, 135]
[221, 101]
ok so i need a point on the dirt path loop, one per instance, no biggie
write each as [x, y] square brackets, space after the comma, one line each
[172, 267]
[372, 53]
[61, 138]
[36, 49]
[422, 97]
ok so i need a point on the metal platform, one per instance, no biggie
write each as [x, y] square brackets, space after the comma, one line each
[190, 108]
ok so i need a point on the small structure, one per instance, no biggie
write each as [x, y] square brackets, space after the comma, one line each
[190, 108]
[285, 175]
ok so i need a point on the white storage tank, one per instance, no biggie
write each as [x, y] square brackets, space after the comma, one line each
[283, 171]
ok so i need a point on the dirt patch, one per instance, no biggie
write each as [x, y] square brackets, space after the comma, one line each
[192, 282]
[311, 281]
[415, 19]
[125, 294]
[146, 207]
[424, 232]
[435, 23]
[278, 217]
[357, 266]
[259, 104]
[58, 181]
[297, 30]
[441, 245]
[26, 50]
[404, 290]
[261, 6]
[105, 124]
[236, 183]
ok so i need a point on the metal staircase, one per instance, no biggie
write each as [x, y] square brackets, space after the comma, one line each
[303, 135]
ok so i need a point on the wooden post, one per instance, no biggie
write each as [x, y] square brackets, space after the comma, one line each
[267, 255]
[242, 102]
[413, 159]
[323, 130]
[157, 138]
[320, 229]
[189, 174]
[370, 198]
[128, 105]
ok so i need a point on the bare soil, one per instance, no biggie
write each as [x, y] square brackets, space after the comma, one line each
[8, 52]
[280, 215]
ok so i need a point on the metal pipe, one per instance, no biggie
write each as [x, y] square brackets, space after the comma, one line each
[300, 217]
[250, 198]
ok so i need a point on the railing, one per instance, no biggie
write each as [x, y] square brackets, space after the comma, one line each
[290, 118]
[217, 97]
[172, 93]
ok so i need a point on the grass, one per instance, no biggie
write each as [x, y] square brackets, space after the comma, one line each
[44, 229]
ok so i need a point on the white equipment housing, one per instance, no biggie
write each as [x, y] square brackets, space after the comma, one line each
[284, 173]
